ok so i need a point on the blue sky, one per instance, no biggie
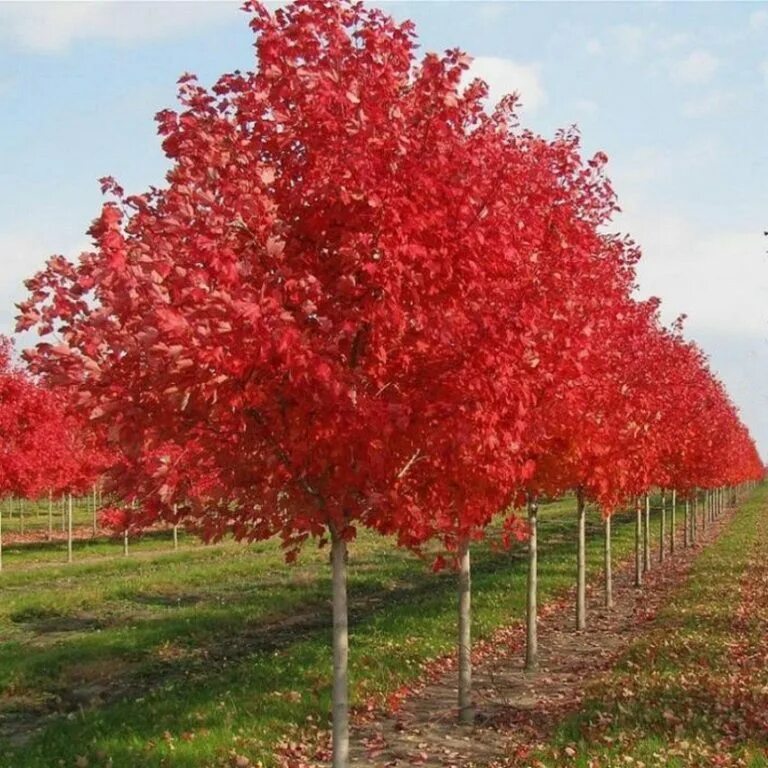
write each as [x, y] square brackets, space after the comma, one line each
[676, 93]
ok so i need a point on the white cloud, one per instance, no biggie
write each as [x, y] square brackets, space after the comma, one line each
[696, 67]
[711, 103]
[671, 41]
[52, 27]
[629, 39]
[718, 278]
[594, 47]
[505, 76]
[492, 11]
[758, 19]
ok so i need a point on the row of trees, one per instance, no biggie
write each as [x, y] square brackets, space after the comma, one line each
[46, 448]
[361, 299]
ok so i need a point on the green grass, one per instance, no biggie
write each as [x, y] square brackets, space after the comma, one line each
[32, 515]
[694, 689]
[38, 548]
[177, 658]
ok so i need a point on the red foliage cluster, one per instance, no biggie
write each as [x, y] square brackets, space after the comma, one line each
[45, 449]
[360, 299]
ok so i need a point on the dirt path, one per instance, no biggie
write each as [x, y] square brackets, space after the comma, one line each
[515, 708]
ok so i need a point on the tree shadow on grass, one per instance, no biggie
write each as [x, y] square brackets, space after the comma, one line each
[198, 667]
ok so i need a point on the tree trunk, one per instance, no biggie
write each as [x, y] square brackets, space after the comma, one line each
[50, 515]
[340, 694]
[125, 543]
[69, 527]
[608, 565]
[21, 516]
[175, 536]
[95, 522]
[694, 520]
[673, 523]
[647, 534]
[1, 538]
[531, 615]
[581, 566]
[687, 524]
[466, 711]
[638, 543]
[663, 525]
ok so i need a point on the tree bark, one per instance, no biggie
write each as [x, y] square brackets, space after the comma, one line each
[694, 519]
[647, 533]
[50, 514]
[687, 524]
[638, 543]
[69, 527]
[581, 565]
[608, 565]
[531, 615]
[663, 525]
[673, 523]
[340, 694]
[466, 710]
[95, 522]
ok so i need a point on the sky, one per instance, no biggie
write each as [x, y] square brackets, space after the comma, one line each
[675, 93]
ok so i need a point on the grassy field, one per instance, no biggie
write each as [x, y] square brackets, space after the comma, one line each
[186, 658]
[31, 536]
[694, 690]
[36, 515]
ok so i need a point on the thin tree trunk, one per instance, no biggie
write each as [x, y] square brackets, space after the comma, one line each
[1, 538]
[340, 652]
[687, 524]
[95, 522]
[21, 516]
[50, 514]
[647, 534]
[663, 525]
[532, 641]
[608, 565]
[638, 543]
[693, 519]
[466, 710]
[581, 564]
[673, 523]
[125, 543]
[175, 536]
[69, 528]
